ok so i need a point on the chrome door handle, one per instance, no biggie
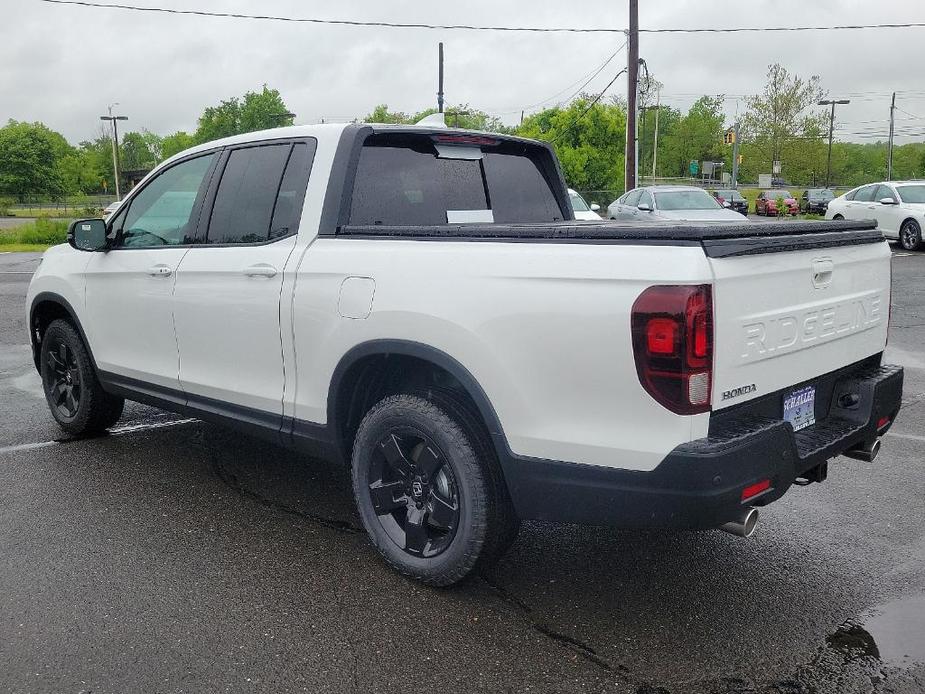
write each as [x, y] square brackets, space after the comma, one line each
[260, 270]
[160, 271]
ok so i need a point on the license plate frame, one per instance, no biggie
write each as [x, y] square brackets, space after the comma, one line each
[799, 407]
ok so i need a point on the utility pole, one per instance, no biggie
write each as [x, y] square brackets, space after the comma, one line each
[735, 155]
[889, 159]
[658, 108]
[115, 145]
[632, 94]
[440, 78]
[831, 102]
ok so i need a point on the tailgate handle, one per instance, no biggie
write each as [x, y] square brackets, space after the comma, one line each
[822, 273]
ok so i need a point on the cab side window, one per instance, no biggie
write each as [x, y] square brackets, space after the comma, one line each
[645, 199]
[260, 195]
[163, 212]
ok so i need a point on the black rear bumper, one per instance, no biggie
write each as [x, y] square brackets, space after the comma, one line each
[699, 484]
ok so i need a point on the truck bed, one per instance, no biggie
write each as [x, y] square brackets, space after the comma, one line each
[717, 240]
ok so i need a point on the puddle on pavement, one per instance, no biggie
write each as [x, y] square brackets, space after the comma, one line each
[893, 633]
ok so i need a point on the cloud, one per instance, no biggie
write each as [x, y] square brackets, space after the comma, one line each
[64, 65]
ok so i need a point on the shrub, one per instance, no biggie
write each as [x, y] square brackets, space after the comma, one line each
[44, 232]
[5, 205]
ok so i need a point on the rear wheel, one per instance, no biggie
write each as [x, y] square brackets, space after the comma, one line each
[838, 217]
[910, 235]
[428, 494]
[75, 397]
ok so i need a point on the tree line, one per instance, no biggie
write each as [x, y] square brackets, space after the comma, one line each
[782, 123]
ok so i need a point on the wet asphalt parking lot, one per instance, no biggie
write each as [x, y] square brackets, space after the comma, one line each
[177, 556]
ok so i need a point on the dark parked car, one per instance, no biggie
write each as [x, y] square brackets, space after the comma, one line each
[735, 199]
[766, 203]
[816, 200]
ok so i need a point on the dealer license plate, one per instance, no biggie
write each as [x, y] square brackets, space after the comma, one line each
[800, 407]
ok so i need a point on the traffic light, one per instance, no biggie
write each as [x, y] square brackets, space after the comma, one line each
[739, 159]
[729, 137]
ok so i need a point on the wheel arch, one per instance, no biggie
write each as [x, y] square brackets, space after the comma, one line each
[349, 372]
[45, 308]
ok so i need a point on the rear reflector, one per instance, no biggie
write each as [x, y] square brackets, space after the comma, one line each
[672, 328]
[754, 490]
[882, 422]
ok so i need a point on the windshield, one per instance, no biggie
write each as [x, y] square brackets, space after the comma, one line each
[774, 194]
[578, 203]
[821, 194]
[686, 200]
[730, 194]
[914, 194]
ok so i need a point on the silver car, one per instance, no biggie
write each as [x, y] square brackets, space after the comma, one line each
[670, 203]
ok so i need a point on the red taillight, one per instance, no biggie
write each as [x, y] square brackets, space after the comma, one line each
[672, 329]
[882, 422]
[751, 491]
[661, 336]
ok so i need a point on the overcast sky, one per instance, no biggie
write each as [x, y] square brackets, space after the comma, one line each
[63, 65]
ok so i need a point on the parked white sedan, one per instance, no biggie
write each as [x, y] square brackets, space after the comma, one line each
[897, 206]
[671, 203]
[583, 211]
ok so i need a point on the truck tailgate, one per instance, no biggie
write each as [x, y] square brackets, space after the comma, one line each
[783, 318]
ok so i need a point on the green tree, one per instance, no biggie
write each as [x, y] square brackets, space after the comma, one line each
[697, 135]
[590, 141]
[460, 116]
[253, 111]
[176, 143]
[782, 118]
[139, 151]
[30, 154]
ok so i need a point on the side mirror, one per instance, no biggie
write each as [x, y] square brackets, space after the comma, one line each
[595, 207]
[88, 235]
[644, 207]
[887, 201]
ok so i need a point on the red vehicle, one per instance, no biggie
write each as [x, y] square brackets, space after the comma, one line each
[766, 203]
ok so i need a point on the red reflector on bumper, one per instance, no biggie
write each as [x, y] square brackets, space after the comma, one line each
[755, 489]
[883, 422]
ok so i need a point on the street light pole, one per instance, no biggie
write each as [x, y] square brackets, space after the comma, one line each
[115, 145]
[831, 102]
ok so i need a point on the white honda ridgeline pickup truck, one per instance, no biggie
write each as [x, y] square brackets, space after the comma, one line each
[419, 303]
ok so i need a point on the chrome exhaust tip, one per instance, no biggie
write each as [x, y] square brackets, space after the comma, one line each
[744, 526]
[865, 451]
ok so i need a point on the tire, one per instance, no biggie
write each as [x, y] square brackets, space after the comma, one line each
[429, 494]
[910, 235]
[837, 218]
[75, 397]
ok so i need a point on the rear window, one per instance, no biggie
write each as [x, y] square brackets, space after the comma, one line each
[404, 181]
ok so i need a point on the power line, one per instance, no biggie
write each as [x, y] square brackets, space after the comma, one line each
[594, 73]
[588, 108]
[473, 27]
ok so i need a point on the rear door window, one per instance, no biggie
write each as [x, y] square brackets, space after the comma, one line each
[246, 195]
[865, 194]
[403, 181]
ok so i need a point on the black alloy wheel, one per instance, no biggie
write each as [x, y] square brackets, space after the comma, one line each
[414, 492]
[62, 374]
[910, 235]
[75, 396]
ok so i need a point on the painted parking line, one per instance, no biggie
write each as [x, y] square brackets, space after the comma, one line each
[117, 431]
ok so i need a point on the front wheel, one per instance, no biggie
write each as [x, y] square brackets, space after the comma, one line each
[910, 235]
[75, 397]
[425, 490]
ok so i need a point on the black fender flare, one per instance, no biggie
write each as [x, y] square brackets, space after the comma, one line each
[52, 297]
[427, 353]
